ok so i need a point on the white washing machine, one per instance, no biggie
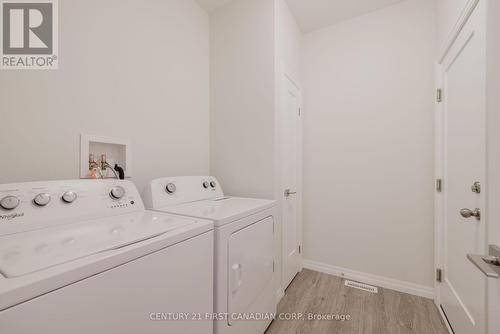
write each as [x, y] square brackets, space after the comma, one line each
[85, 257]
[245, 299]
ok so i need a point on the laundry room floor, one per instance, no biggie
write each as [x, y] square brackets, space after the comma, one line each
[385, 312]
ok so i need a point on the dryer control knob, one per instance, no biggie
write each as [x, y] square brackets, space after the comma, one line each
[206, 185]
[117, 192]
[69, 197]
[170, 188]
[9, 202]
[213, 184]
[42, 199]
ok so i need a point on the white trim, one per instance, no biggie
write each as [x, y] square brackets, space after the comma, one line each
[380, 281]
[455, 32]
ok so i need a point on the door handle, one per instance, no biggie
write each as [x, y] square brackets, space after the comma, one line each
[488, 265]
[288, 192]
[467, 213]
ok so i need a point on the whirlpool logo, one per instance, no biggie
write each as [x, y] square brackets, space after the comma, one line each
[11, 216]
[29, 34]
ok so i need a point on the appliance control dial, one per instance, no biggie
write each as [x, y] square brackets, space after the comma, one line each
[9, 202]
[170, 188]
[69, 197]
[213, 184]
[206, 185]
[117, 192]
[42, 199]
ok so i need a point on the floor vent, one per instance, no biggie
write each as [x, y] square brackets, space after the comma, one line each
[361, 286]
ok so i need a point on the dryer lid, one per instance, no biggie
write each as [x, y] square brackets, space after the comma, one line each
[28, 252]
[223, 210]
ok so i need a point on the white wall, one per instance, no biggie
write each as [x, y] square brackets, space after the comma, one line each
[369, 142]
[242, 46]
[448, 12]
[128, 69]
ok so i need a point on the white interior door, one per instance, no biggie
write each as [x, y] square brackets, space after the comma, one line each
[291, 171]
[462, 292]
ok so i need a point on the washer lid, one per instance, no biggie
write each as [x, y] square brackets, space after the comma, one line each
[28, 252]
[221, 211]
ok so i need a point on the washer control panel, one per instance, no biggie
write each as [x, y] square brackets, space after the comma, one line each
[34, 205]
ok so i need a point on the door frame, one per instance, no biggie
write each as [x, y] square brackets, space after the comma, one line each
[439, 196]
[440, 135]
[284, 74]
[493, 147]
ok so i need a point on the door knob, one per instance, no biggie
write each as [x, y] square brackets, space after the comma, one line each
[288, 192]
[467, 213]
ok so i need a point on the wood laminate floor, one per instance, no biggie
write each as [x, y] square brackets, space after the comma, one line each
[387, 312]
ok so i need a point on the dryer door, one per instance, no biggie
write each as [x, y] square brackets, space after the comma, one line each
[250, 270]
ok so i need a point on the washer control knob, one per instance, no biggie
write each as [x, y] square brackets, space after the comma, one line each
[213, 184]
[117, 192]
[42, 199]
[170, 188]
[69, 197]
[9, 202]
[206, 185]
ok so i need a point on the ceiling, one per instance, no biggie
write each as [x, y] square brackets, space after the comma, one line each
[316, 14]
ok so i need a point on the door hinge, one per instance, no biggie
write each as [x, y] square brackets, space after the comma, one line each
[300, 249]
[439, 95]
[439, 185]
[273, 266]
[300, 111]
[439, 275]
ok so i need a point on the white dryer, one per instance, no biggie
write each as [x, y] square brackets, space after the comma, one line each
[86, 257]
[245, 298]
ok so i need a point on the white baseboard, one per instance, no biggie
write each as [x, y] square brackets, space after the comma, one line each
[380, 281]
